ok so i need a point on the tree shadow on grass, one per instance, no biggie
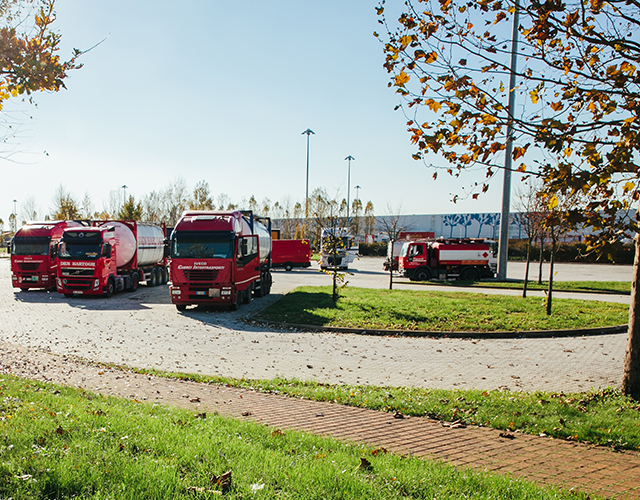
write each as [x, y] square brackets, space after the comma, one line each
[298, 308]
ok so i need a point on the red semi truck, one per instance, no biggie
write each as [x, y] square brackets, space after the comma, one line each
[34, 254]
[290, 254]
[219, 258]
[448, 258]
[110, 257]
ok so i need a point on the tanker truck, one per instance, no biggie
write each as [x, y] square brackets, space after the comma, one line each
[220, 258]
[110, 257]
[34, 254]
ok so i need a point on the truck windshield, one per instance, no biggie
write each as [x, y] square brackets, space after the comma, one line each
[80, 245]
[35, 245]
[202, 244]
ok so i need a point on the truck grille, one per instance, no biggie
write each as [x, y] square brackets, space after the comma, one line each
[29, 266]
[70, 271]
[201, 275]
[78, 283]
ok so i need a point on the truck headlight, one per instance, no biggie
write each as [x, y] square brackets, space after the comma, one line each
[175, 291]
[96, 283]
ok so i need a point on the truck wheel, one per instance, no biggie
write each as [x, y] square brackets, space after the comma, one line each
[153, 279]
[135, 280]
[288, 266]
[470, 274]
[181, 307]
[422, 274]
[165, 275]
[248, 295]
[234, 304]
[110, 288]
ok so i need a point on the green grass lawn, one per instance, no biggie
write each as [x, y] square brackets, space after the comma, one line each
[62, 443]
[438, 311]
[621, 287]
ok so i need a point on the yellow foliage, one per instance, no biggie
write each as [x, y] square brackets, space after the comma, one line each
[402, 78]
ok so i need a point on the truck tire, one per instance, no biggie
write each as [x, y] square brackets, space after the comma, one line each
[248, 295]
[288, 266]
[153, 279]
[470, 274]
[110, 288]
[165, 275]
[135, 281]
[181, 307]
[422, 274]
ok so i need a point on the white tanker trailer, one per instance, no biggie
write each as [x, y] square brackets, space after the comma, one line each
[112, 256]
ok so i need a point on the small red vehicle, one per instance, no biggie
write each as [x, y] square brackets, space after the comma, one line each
[34, 254]
[290, 253]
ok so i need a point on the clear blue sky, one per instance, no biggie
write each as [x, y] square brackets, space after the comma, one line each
[221, 91]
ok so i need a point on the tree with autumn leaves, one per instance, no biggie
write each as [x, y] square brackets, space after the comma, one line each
[29, 60]
[575, 124]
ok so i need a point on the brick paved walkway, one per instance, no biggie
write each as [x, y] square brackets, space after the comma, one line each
[542, 460]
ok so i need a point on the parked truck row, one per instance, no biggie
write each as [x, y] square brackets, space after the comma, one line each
[210, 257]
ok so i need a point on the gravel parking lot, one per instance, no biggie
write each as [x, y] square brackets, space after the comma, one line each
[143, 329]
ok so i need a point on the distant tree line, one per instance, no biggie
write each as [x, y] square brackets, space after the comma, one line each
[167, 205]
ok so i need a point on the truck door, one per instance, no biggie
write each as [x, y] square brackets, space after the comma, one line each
[247, 261]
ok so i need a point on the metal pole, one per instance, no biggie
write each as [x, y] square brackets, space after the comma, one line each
[503, 247]
[349, 190]
[308, 132]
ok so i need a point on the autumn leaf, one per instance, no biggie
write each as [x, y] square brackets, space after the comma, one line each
[556, 106]
[553, 202]
[534, 96]
[402, 78]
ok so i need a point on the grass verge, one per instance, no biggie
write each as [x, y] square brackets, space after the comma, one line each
[602, 417]
[59, 442]
[438, 311]
[618, 287]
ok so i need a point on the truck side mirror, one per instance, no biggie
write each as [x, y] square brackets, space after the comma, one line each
[54, 251]
[245, 247]
[106, 250]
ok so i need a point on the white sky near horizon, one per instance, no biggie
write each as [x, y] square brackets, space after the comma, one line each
[221, 91]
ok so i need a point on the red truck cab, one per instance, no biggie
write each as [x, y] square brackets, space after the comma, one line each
[34, 254]
[219, 258]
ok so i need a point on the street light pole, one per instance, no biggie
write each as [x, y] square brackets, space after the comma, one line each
[15, 217]
[124, 195]
[357, 188]
[308, 132]
[349, 158]
[503, 242]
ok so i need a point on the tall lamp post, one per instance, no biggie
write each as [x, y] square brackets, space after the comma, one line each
[308, 132]
[15, 216]
[503, 242]
[349, 158]
[124, 195]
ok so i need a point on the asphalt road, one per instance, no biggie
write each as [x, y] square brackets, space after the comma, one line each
[143, 329]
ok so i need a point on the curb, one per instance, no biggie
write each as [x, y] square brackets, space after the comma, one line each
[534, 334]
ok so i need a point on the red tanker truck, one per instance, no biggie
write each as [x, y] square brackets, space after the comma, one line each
[219, 258]
[448, 258]
[290, 254]
[110, 257]
[34, 254]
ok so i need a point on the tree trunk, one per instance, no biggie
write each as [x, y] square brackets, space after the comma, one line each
[550, 289]
[526, 269]
[541, 259]
[391, 260]
[631, 374]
